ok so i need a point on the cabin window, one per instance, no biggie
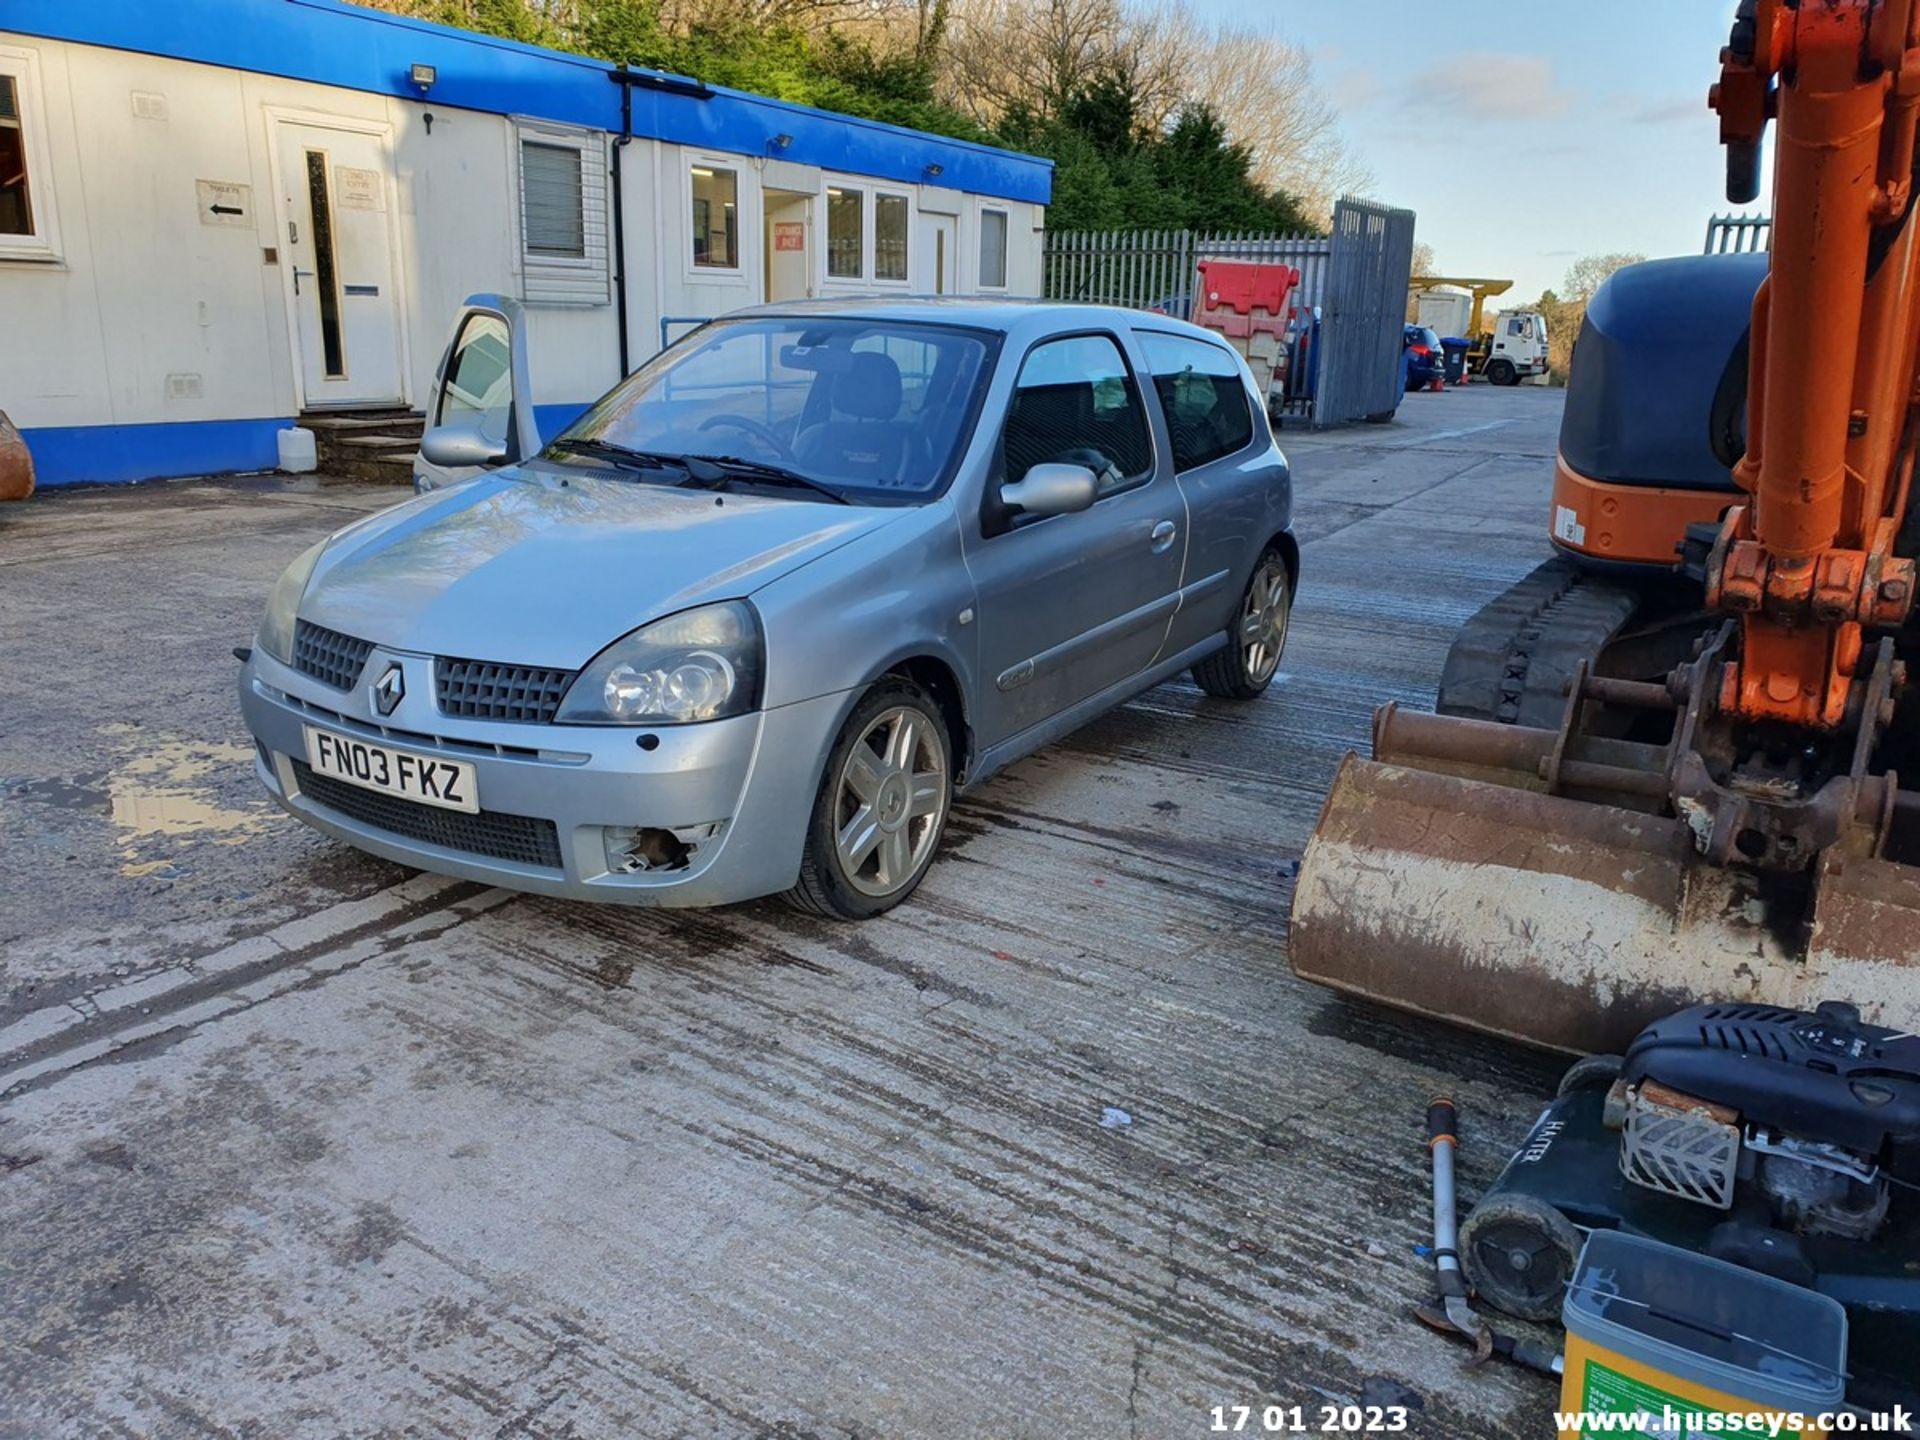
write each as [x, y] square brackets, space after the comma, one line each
[27, 229]
[889, 237]
[993, 249]
[846, 232]
[563, 216]
[716, 218]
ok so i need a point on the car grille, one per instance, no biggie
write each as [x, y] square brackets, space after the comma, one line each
[327, 655]
[482, 690]
[522, 839]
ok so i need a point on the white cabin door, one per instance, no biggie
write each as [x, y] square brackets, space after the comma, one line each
[336, 222]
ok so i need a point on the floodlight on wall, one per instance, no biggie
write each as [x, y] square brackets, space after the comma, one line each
[423, 77]
[935, 171]
[781, 142]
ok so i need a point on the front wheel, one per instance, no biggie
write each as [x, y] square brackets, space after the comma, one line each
[1245, 666]
[1501, 372]
[881, 807]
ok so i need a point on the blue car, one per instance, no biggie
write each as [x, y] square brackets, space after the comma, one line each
[1424, 359]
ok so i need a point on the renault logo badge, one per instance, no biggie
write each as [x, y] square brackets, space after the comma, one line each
[389, 690]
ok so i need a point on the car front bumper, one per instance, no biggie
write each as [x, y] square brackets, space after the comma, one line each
[738, 793]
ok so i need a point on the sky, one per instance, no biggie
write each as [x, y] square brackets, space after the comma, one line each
[1523, 133]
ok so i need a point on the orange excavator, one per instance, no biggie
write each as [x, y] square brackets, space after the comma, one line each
[1681, 760]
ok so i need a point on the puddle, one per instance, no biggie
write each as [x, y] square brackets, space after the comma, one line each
[169, 791]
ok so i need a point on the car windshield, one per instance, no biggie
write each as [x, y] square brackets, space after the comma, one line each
[877, 411]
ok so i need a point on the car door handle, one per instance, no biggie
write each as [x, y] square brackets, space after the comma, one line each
[1163, 534]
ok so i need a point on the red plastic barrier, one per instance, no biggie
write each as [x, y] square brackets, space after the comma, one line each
[1239, 297]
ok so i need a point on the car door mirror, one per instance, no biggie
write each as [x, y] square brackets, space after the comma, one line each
[1052, 489]
[461, 447]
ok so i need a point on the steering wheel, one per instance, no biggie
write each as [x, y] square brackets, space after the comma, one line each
[754, 428]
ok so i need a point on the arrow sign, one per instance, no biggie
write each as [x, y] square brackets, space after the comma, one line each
[225, 210]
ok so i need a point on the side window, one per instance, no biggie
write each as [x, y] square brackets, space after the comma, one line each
[563, 217]
[993, 249]
[889, 237]
[479, 383]
[27, 228]
[1203, 396]
[1075, 403]
[1516, 327]
[846, 233]
[716, 218]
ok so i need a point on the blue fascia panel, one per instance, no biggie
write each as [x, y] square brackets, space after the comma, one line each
[119, 454]
[328, 42]
[554, 418]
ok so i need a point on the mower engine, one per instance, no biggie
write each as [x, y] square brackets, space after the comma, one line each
[1820, 1114]
[1786, 1141]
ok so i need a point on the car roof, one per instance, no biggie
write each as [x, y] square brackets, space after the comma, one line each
[980, 313]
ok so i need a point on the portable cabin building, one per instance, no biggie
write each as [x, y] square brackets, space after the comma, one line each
[219, 217]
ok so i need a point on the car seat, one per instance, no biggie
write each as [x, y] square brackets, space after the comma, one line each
[865, 442]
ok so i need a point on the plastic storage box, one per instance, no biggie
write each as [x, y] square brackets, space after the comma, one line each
[1652, 1329]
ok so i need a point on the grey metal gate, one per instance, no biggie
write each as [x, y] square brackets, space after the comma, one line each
[1364, 313]
[1739, 234]
[1353, 345]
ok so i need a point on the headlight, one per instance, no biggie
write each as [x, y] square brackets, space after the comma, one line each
[276, 626]
[698, 665]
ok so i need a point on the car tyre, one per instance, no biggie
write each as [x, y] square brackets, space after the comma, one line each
[881, 808]
[1501, 372]
[1245, 666]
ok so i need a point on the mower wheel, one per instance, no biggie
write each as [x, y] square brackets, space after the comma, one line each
[1519, 1252]
[1592, 1072]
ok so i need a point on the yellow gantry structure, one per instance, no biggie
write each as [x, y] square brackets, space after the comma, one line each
[1479, 289]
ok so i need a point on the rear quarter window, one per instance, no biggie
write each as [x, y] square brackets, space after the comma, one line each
[1203, 396]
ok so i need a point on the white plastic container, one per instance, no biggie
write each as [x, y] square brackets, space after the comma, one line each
[298, 453]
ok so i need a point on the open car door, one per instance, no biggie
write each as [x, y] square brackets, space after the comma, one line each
[480, 414]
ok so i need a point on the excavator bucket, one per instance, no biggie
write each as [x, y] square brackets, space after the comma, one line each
[1572, 924]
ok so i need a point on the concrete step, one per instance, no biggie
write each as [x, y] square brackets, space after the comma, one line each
[377, 445]
[328, 422]
[381, 441]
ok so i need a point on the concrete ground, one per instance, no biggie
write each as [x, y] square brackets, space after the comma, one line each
[294, 1142]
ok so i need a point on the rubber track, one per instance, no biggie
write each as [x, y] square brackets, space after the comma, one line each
[1513, 660]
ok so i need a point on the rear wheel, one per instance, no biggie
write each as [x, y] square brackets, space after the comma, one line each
[1501, 372]
[1591, 1072]
[1245, 666]
[881, 808]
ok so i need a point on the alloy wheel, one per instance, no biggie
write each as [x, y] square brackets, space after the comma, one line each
[1263, 620]
[891, 796]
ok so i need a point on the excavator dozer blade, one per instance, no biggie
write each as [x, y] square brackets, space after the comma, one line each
[1572, 924]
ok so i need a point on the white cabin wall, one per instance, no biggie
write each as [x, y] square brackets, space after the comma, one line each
[148, 315]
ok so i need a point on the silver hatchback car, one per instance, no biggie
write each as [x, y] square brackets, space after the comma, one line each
[751, 623]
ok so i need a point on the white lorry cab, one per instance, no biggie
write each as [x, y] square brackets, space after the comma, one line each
[1516, 347]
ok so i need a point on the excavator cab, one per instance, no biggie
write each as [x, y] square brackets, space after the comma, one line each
[1674, 763]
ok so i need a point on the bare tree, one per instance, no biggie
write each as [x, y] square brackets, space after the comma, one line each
[1260, 86]
[1036, 53]
[1263, 90]
[1587, 273]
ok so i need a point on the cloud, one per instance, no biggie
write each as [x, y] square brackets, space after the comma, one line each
[1487, 85]
[1691, 110]
[1355, 89]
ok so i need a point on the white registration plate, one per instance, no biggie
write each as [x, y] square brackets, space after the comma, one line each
[449, 784]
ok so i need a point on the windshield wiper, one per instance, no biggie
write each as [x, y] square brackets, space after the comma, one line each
[761, 472]
[625, 455]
